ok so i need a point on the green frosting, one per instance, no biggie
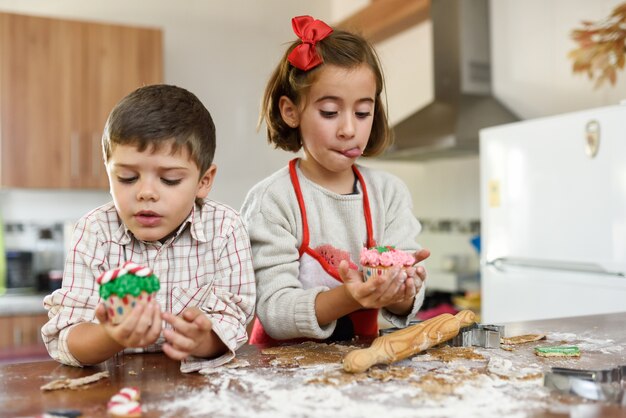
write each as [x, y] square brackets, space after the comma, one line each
[384, 249]
[559, 350]
[129, 284]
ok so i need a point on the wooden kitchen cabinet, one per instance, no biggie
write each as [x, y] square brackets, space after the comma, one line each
[20, 336]
[59, 79]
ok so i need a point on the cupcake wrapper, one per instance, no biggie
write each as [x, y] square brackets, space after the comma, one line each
[118, 307]
[378, 271]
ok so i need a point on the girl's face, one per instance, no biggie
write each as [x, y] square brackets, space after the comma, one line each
[336, 119]
[154, 190]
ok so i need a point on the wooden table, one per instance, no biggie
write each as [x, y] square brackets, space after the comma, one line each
[265, 387]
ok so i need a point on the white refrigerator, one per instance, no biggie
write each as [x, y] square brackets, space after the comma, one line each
[553, 216]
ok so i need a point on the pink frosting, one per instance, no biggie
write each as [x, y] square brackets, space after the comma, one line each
[386, 256]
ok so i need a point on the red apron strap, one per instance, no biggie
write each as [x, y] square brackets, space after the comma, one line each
[296, 186]
[371, 242]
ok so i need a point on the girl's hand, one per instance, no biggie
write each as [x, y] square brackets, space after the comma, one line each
[191, 335]
[141, 328]
[418, 273]
[395, 287]
[420, 256]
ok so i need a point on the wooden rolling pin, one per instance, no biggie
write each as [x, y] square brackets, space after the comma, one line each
[408, 341]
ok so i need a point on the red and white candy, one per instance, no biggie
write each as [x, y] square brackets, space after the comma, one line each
[125, 403]
[128, 267]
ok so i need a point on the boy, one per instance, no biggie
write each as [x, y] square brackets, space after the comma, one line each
[158, 146]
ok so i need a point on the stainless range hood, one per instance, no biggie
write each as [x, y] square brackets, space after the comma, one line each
[463, 103]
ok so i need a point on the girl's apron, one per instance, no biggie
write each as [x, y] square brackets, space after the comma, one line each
[316, 271]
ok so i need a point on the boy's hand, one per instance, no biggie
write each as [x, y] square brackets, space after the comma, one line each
[191, 335]
[141, 328]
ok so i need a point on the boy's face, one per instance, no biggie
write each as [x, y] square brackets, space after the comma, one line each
[154, 190]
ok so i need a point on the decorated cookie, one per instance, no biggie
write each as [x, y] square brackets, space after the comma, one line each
[377, 261]
[125, 410]
[558, 351]
[121, 289]
[125, 404]
[125, 395]
[132, 393]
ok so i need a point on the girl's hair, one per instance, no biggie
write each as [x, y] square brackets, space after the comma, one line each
[154, 115]
[343, 49]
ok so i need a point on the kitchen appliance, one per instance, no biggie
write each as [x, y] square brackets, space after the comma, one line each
[49, 254]
[3, 259]
[463, 102]
[20, 277]
[553, 216]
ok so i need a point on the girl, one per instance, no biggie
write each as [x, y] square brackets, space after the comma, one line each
[308, 221]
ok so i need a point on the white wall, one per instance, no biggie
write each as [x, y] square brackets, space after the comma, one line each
[530, 41]
[223, 51]
[442, 190]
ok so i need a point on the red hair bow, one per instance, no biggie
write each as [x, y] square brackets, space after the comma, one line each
[310, 31]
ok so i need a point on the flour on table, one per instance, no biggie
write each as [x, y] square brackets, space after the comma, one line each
[307, 354]
[586, 344]
[505, 368]
[235, 363]
[440, 393]
[452, 382]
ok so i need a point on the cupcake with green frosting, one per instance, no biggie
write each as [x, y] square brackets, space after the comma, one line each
[121, 289]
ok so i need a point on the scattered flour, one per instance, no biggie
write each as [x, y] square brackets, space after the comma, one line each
[503, 367]
[587, 344]
[448, 390]
[441, 383]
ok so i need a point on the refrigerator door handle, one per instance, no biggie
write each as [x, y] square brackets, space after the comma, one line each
[502, 263]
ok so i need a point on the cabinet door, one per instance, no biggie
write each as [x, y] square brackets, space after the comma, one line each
[22, 331]
[59, 80]
[6, 332]
[118, 59]
[35, 101]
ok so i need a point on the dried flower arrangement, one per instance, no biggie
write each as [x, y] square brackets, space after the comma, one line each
[601, 47]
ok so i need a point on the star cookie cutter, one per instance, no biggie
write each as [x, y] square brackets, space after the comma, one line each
[479, 335]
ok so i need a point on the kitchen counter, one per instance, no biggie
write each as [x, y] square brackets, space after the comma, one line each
[468, 382]
[26, 304]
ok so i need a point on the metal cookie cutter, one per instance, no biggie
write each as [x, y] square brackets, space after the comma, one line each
[602, 385]
[479, 335]
[385, 331]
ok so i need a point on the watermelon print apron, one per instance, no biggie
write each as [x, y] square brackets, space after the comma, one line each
[318, 267]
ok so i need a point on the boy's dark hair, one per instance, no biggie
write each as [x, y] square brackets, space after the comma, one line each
[152, 115]
[343, 49]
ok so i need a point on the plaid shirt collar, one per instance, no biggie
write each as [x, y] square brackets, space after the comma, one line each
[123, 235]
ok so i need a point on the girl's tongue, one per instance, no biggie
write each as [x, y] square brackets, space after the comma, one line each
[352, 152]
